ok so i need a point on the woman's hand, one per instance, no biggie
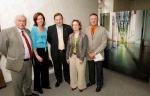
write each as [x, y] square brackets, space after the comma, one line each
[81, 61]
[39, 58]
[68, 61]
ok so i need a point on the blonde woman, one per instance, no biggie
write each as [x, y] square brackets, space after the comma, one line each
[76, 55]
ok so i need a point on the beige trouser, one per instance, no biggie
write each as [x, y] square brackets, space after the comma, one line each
[77, 73]
[22, 80]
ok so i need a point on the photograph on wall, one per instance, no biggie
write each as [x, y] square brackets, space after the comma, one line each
[128, 43]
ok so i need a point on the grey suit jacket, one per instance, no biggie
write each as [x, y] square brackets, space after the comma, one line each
[11, 45]
[82, 45]
[97, 42]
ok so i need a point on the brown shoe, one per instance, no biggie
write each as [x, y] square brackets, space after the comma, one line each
[81, 90]
[73, 89]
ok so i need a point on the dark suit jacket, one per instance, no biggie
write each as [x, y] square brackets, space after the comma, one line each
[52, 38]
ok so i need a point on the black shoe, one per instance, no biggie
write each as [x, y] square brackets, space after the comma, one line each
[98, 89]
[39, 90]
[33, 94]
[48, 87]
[90, 84]
[57, 84]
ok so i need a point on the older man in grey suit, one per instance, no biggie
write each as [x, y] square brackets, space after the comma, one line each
[15, 44]
[97, 42]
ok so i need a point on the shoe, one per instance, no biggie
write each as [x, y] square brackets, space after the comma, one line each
[39, 90]
[90, 84]
[98, 89]
[33, 94]
[57, 84]
[73, 89]
[81, 90]
[48, 87]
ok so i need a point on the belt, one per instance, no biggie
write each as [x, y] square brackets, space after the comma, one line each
[26, 59]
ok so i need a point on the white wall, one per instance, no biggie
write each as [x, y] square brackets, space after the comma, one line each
[107, 6]
[79, 9]
[71, 9]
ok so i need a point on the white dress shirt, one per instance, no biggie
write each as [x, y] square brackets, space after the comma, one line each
[60, 38]
[27, 54]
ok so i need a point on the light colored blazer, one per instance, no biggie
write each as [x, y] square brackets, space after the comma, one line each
[98, 42]
[11, 45]
[82, 45]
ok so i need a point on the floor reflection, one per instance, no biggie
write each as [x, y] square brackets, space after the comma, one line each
[124, 58]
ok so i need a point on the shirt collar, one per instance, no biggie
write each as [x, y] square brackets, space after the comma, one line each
[19, 30]
[59, 27]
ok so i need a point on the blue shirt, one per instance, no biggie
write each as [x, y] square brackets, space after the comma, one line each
[39, 39]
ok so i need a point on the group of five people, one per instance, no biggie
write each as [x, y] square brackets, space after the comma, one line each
[71, 48]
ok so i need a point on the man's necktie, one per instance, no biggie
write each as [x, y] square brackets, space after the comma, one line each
[28, 44]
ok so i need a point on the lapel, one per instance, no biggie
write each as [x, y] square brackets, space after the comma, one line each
[89, 33]
[18, 37]
[79, 38]
[64, 31]
[55, 33]
[28, 33]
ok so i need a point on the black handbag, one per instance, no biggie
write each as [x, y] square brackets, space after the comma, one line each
[49, 62]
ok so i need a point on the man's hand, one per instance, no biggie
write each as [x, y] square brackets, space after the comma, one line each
[91, 55]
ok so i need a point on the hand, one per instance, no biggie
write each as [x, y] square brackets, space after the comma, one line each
[91, 55]
[81, 61]
[39, 58]
[68, 61]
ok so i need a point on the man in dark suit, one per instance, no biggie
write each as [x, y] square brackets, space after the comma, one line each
[57, 36]
[15, 44]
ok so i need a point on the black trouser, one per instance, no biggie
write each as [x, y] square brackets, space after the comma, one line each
[41, 70]
[99, 72]
[61, 61]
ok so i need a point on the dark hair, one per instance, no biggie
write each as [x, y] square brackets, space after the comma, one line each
[94, 14]
[75, 20]
[36, 16]
[58, 14]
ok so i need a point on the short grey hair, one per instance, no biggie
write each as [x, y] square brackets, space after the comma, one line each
[21, 15]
